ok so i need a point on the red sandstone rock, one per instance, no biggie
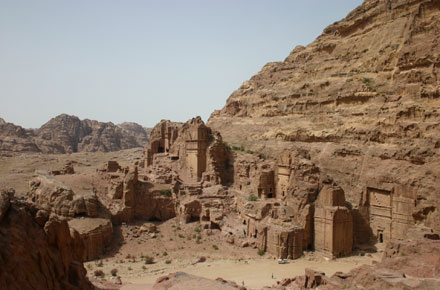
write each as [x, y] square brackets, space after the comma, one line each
[362, 100]
[181, 280]
[36, 257]
[67, 134]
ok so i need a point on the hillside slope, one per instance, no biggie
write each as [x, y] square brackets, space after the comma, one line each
[363, 99]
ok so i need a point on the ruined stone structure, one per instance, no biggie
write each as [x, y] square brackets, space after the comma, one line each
[192, 151]
[266, 184]
[196, 144]
[292, 219]
[333, 223]
[283, 174]
[283, 241]
[161, 138]
[390, 212]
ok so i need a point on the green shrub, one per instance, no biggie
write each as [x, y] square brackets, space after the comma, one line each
[237, 148]
[215, 247]
[252, 197]
[165, 192]
[261, 252]
[168, 262]
[99, 273]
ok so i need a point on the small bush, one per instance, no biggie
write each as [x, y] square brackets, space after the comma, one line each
[128, 256]
[149, 260]
[261, 252]
[114, 272]
[143, 267]
[99, 273]
[181, 236]
[89, 266]
[100, 264]
[165, 254]
[165, 192]
[238, 148]
[201, 260]
[215, 247]
[252, 197]
[129, 268]
[366, 81]
[168, 262]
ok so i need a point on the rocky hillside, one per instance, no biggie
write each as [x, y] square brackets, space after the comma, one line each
[363, 99]
[68, 134]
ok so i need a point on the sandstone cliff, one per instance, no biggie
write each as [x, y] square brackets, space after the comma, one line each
[69, 134]
[38, 252]
[363, 99]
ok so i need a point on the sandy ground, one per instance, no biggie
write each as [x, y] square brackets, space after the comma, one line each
[18, 170]
[255, 273]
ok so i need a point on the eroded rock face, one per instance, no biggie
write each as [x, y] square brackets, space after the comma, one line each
[182, 280]
[363, 101]
[56, 197]
[34, 256]
[96, 234]
[131, 198]
[192, 149]
[289, 205]
[68, 134]
[406, 264]
[5, 201]
[14, 138]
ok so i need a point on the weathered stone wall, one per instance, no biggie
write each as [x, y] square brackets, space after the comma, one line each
[96, 234]
[333, 223]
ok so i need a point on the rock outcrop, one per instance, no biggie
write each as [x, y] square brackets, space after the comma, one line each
[58, 198]
[193, 149]
[39, 253]
[182, 280]
[406, 264]
[69, 134]
[96, 234]
[363, 101]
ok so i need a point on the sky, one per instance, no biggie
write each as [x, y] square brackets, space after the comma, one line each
[141, 60]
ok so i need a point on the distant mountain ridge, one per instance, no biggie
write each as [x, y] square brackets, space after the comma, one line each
[68, 134]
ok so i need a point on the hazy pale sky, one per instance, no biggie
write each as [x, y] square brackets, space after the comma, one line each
[140, 60]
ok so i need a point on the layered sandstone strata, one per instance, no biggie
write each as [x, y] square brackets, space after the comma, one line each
[363, 101]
